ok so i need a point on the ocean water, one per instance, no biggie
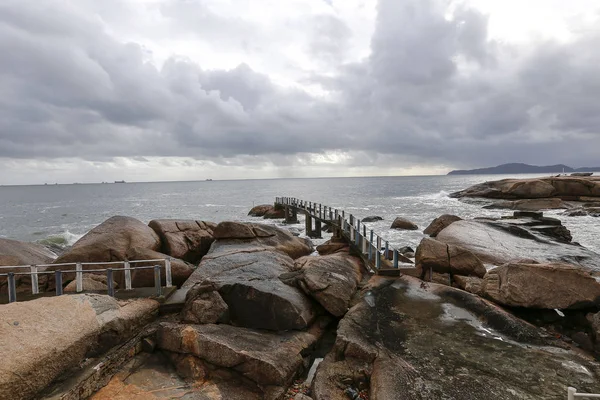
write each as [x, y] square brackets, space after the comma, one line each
[61, 214]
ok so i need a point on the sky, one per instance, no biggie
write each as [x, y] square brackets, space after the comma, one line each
[154, 90]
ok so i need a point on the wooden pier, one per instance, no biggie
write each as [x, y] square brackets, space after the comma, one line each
[375, 251]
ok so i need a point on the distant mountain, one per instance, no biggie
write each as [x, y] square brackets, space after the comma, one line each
[520, 168]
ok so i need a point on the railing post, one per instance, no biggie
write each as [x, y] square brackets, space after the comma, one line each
[371, 246]
[377, 260]
[320, 210]
[35, 286]
[79, 277]
[127, 271]
[168, 277]
[571, 393]
[157, 285]
[12, 288]
[395, 258]
[357, 242]
[58, 282]
[387, 248]
[110, 282]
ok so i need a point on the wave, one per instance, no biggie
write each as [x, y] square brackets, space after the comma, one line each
[61, 240]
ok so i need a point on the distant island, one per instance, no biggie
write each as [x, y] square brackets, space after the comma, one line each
[520, 168]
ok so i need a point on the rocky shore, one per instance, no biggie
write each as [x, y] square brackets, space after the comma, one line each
[505, 308]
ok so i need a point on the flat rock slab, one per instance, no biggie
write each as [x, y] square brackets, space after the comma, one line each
[427, 341]
[263, 357]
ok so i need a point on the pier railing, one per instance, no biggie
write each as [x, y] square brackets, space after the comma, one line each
[572, 395]
[375, 249]
[34, 271]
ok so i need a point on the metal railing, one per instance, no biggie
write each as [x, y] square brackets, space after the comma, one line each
[368, 242]
[572, 394]
[34, 272]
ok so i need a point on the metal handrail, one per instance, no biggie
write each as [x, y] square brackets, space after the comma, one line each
[572, 394]
[79, 271]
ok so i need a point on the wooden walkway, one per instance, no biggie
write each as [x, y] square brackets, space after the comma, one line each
[375, 251]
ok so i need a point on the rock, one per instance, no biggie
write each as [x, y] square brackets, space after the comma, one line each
[278, 212]
[445, 258]
[594, 320]
[15, 253]
[551, 286]
[247, 278]
[583, 340]
[331, 280]
[109, 241]
[261, 236]
[503, 241]
[37, 347]
[440, 223]
[470, 284]
[402, 223]
[204, 305]
[265, 358]
[373, 218]
[260, 210]
[406, 250]
[419, 349]
[187, 240]
[530, 204]
[331, 247]
[180, 270]
[302, 396]
[90, 283]
[566, 188]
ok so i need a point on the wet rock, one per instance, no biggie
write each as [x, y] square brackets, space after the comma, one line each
[435, 342]
[247, 278]
[403, 223]
[566, 188]
[503, 241]
[445, 258]
[406, 250]
[204, 305]
[265, 358]
[332, 247]
[583, 340]
[373, 218]
[331, 280]
[180, 270]
[550, 286]
[38, 347]
[188, 240]
[440, 223]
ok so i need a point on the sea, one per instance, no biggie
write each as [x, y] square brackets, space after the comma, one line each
[59, 215]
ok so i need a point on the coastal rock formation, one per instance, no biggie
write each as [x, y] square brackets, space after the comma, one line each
[268, 359]
[260, 210]
[550, 286]
[14, 253]
[373, 218]
[440, 223]
[447, 258]
[37, 346]
[331, 280]
[204, 305]
[111, 240]
[552, 203]
[471, 284]
[563, 187]
[180, 270]
[332, 247]
[187, 240]
[404, 340]
[403, 223]
[502, 241]
[91, 283]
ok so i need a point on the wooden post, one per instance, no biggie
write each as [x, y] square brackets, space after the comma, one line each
[317, 232]
[58, 282]
[168, 275]
[308, 225]
[35, 287]
[395, 258]
[12, 288]
[127, 270]
[387, 247]
[79, 277]
[157, 284]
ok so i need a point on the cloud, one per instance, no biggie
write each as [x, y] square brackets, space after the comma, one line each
[434, 89]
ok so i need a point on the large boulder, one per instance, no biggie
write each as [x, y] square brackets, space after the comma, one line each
[15, 253]
[111, 240]
[406, 340]
[247, 278]
[550, 286]
[91, 283]
[403, 223]
[372, 218]
[440, 223]
[267, 359]
[188, 240]
[180, 270]
[332, 247]
[37, 346]
[566, 188]
[331, 280]
[445, 258]
[240, 234]
[552, 203]
[267, 211]
[498, 242]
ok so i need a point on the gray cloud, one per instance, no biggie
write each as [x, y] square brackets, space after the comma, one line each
[435, 90]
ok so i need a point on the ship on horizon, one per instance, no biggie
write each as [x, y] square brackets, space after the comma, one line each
[120, 182]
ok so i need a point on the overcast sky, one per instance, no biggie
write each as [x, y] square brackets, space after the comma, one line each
[147, 90]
